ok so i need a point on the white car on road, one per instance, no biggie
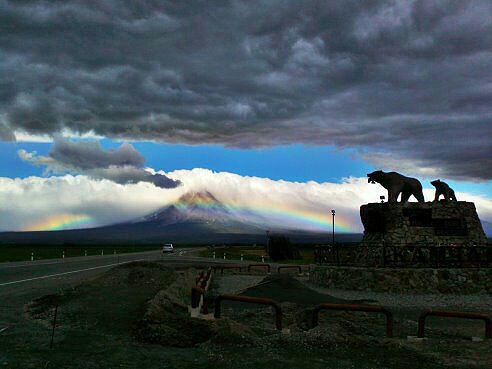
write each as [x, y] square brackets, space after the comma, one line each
[168, 247]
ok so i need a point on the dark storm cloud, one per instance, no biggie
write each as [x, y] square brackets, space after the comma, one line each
[406, 80]
[90, 155]
[6, 133]
[122, 165]
[128, 174]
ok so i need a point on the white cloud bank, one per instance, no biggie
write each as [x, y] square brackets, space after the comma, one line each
[24, 202]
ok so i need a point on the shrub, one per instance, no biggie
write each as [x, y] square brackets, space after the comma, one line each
[280, 248]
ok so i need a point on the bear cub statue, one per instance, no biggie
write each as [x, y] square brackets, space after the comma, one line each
[442, 188]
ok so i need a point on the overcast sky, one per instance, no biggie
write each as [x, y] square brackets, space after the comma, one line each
[398, 85]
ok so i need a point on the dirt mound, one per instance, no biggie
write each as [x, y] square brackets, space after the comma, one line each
[112, 302]
[42, 308]
[138, 273]
[229, 332]
[286, 288]
[167, 321]
[173, 327]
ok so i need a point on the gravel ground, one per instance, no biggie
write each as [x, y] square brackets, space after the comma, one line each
[236, 283]
[473, 302]
[423, 301]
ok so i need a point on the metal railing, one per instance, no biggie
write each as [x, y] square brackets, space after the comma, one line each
[228, 266]
[404, 256]
[355, 307]
[250, 300]
[454, 314]
[199, 289]
[250, 266]
[196, 295]
[298, 267]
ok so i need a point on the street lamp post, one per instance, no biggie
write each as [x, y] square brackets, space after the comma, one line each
[268, 241]
[333, 235]
[333, 227]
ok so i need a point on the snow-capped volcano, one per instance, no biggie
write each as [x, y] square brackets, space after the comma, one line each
[195, 218]
[205, 209]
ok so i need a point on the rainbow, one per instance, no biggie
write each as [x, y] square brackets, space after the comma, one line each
[60, 221]
[312, 219]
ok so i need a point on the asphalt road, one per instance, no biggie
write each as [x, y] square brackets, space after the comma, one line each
[19, 274]
[20, 282]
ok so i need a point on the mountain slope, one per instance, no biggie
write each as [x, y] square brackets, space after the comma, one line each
[487, 228]
[196, 218]
[203, 209]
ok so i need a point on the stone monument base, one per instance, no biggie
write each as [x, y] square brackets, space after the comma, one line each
[442, 223]
[407, 280]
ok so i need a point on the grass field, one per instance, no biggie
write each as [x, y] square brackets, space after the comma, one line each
[40, 252]
[250, 253]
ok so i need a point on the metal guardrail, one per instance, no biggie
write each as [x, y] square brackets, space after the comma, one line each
[298, 267]
[454, 314]
[250, 300]
[404, 256]
[250, 266]
[196, 294]
[198, 291]
[226, 266]
[202, 280]
[355, 307]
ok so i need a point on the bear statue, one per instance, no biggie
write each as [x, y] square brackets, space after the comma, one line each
[396, 183]
[442, 188]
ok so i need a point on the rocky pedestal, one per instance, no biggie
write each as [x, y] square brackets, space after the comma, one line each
[431, 223]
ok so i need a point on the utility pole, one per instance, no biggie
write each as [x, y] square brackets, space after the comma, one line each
[333, 227]
[333, 236]
[268, 242]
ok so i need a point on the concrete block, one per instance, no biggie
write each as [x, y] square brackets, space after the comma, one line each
[194, 313]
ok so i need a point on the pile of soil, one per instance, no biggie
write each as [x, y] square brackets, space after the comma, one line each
[112, 302]
[138, 273]
[166, 320]
[286, 288]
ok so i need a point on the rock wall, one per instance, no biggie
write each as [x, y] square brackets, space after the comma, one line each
[430, 223]
[410, 280]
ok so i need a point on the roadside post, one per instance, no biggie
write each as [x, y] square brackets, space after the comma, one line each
[54, 327]
[32, 256]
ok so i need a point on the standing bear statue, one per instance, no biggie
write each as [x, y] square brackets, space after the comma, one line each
[442, 188]
[396, 183]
